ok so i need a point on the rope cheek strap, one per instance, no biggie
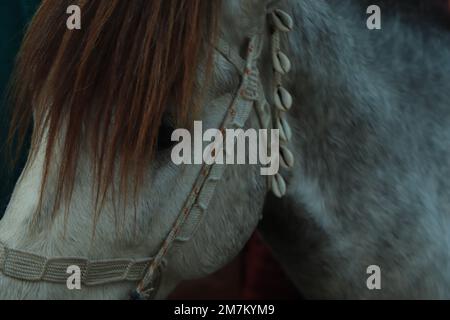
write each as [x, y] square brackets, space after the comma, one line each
[250, 94]
[203, 191]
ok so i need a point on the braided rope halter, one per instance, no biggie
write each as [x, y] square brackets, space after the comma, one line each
[251, 94]
[29, 267]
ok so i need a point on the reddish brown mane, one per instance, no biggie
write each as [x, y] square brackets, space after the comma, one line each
[125, 63]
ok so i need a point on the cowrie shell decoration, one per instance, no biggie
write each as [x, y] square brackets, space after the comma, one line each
[278, 186]
[285, 129]
[281, 63]
[283, 99]
[282, 23]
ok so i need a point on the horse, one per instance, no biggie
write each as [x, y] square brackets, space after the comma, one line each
[369, 121]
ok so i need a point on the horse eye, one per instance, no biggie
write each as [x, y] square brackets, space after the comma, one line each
[165, 137]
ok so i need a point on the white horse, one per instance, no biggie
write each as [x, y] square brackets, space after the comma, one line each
[371, 138]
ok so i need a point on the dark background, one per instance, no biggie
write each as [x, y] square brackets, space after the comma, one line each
[14, 16]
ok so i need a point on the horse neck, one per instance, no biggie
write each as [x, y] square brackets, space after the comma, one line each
[329, 49]
[333, 82]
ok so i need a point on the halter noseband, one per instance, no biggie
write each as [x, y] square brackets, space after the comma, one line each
[30, 267]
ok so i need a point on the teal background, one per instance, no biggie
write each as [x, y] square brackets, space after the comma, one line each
[14, 16]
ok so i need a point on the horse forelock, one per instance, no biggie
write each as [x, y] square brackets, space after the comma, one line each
[106, 87]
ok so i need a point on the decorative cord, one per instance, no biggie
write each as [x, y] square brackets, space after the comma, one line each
[282, 23]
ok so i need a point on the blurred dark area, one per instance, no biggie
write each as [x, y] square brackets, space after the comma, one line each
[14, 17]
[253, 275]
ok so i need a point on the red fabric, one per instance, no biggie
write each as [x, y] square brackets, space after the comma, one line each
[263, 278]
[253, 275]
